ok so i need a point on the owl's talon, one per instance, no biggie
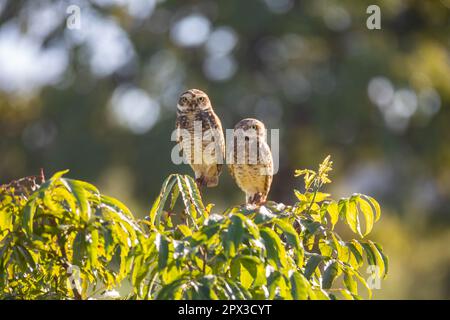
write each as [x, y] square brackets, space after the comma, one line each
[200, 182]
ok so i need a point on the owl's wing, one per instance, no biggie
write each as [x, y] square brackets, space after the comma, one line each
[179, 138]
[214, 123]
[266, 160]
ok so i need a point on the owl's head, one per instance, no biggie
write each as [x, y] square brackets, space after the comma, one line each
[193, 100]
[251, 124]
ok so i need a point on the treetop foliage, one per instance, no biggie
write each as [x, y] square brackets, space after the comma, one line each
[63, 239]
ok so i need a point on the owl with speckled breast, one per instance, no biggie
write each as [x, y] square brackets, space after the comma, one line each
[250, 160]
[200, 137]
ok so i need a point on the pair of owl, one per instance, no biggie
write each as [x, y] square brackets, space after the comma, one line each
[253, 176]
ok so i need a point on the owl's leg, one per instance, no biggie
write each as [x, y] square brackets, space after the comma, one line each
[201, 182]
[256, 199]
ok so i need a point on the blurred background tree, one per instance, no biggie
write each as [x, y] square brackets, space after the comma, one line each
[100, 100]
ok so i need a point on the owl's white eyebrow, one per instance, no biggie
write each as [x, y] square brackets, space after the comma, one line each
[182, 108]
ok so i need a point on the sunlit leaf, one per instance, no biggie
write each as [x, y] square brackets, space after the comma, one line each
[28, 216]
[78, 191]
[313, 262]
[275, 249]
[299, 286]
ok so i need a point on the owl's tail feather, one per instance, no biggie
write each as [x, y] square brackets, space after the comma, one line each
[212, 181]
[207, 181]
[257, 199]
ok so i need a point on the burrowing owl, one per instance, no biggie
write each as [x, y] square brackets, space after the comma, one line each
[252, 162]
[200, 136]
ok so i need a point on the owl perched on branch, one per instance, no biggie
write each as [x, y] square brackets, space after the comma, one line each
[200, 137]
[250, 160]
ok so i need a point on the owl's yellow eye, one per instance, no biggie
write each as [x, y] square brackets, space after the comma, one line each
[201, 99]
[183, 101]
[253, 127]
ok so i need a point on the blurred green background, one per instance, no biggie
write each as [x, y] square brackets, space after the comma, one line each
[100, 100]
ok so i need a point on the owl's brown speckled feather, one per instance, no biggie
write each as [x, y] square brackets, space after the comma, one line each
[193, 107]
[252, 175]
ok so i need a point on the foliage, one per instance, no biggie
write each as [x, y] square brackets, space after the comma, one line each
[63, 241]
[272, 252]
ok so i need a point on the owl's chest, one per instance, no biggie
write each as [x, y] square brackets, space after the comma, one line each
[197, 124]
[249, 177]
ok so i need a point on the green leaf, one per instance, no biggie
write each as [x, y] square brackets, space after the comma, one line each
[351, 216]
[233, 235]
[185, 230]
[5, 221]
[290, 233]
[350, 283]
[333, 211]
[364, 283]
[326, 247]
[329, 274]
[370, 254]
[254, 268]
[366, 210]
[77, 190]
[79, 249]
[163, 251]
[28, 216]
[378, 256]
[174, 196]
[375, 205]
[384, 258]
[92, 247]
[274, 248]
[117, 205]
[58, 175]
[158, 205]
[195, 194]
[318, 196]
[299, 286]
[292, 239]
[274, 282]
[169, 291]
[28, 258]
[357, 251]
[300, 196]
[312, 264]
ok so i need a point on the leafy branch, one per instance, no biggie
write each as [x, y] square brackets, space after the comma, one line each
[276, 251]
